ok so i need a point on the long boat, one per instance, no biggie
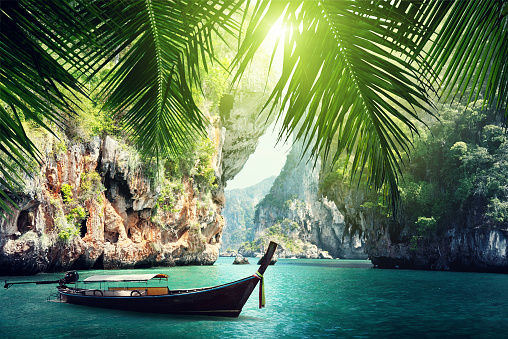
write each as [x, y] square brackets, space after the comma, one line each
[225, 300]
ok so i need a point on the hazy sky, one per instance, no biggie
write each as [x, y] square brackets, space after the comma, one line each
[266, 161]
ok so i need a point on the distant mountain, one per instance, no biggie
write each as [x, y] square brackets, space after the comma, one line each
[239, 213]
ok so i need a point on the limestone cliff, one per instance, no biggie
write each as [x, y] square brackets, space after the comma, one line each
[95, 205]
[295, 205]
[453, 208]
[468, 243]
[92, 206]
[243, 125]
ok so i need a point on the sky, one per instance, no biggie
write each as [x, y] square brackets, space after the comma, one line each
[267, 160]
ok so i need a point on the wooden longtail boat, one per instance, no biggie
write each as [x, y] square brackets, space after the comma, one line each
[225, 300]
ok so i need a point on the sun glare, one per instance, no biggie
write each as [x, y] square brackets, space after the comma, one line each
[276, 32]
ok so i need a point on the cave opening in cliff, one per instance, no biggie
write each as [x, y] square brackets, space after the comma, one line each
[23, 224]
[147, 263]
[116, 186]
[124, 190]
[79, 264]
[111, 237]
[99, 263]
[83, 230]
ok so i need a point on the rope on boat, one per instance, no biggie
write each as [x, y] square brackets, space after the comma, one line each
[262, 301]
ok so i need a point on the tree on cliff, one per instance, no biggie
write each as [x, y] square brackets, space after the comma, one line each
[361, 69]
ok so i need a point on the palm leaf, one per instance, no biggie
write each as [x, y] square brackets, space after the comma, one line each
[351, 77]
[46, 46]
[36, 40]
[150, 88]
[471, 52]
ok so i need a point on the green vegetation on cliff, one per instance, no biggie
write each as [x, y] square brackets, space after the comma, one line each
[285, 191]
[195, 163]
[458, 173]
[456, 178]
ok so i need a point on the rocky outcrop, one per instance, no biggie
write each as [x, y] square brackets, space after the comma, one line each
[294, 202]
[121, 227]
[469, 244]
[92, 206]
[477, 250]
[453, 207]
[244, 124]
[272, 262]
[240, 260]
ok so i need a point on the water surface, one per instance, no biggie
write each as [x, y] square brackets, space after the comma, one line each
[305, 299]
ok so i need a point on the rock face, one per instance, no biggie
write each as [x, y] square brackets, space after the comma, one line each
[477, 250]
[243, 125]
[294, 198]
[272, 262]
[119, 229]
[469, 244]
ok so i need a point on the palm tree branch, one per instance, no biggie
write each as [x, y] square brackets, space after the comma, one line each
[471, 52]
[342, 62]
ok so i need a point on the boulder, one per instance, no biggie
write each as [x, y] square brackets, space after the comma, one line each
[240, 260]
[324, 255]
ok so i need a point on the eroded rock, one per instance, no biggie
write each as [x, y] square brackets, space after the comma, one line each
[119, 230]
[240, 260]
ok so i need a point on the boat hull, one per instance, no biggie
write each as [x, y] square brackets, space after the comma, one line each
[224, 300]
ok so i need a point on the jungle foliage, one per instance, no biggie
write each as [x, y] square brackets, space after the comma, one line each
[457, 176]
[460, 165]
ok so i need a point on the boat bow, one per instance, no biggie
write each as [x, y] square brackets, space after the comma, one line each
[265, 261]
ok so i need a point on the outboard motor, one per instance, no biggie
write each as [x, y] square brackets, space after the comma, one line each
[71, 277]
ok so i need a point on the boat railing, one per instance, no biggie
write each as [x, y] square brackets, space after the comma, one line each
[115, 293]
[144, 291]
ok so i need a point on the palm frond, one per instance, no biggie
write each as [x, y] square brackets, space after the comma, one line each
[351, 77]
[36, 40]
[471, 52]
[150, 88]
[46, 46]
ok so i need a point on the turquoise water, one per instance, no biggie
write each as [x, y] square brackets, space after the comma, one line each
[305, 298]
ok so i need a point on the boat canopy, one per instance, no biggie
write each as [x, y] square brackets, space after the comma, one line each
[124, 277]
